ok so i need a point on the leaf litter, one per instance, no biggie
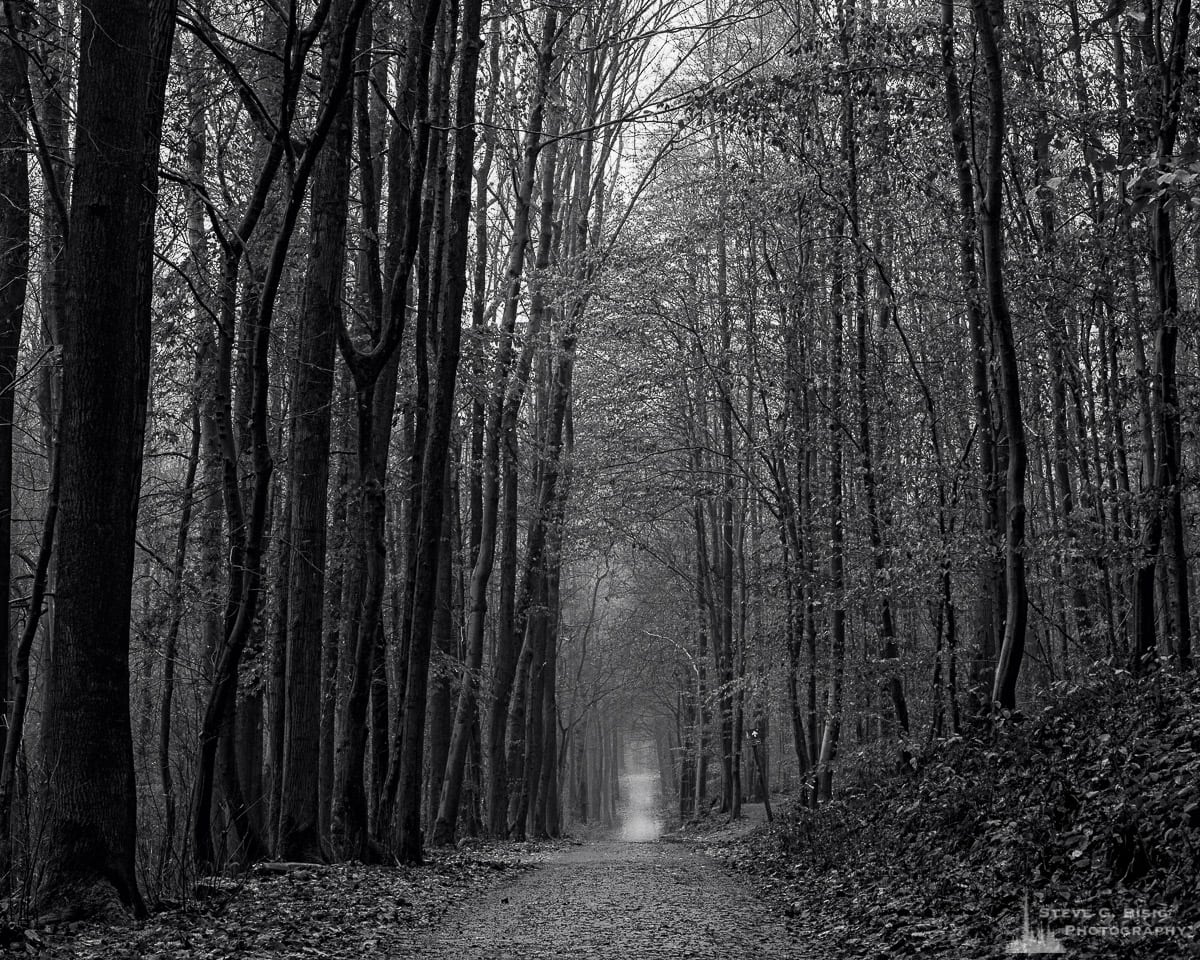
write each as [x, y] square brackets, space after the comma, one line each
[318, 912]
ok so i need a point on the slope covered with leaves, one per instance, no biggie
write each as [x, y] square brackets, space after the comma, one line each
[1091, 810]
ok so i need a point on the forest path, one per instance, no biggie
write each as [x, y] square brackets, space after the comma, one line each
[612, 900]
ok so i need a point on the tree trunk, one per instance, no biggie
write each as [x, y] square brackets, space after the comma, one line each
[246, 584]
[299, 836]
[445, 662]
[888, 651]
[171, 643]
[989, 20]
[91, 813]
[837, 559]
[504, 670]
[547, 512]
[14, 273]
[374, 371]
[14, 733]
[1170, 67]
[409, 836]
[339, 558]
[991, 600]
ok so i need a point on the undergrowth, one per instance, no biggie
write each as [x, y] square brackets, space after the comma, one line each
[1090, 811]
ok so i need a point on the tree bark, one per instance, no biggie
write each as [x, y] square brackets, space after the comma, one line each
[991, 601]
[989, 20]
[14, 276]
[171, 642]
[15, 731]
[299, 837]
[547, 512]
[831, 734]
[91, 806]
[374, 373]
[242, 608]
[504, 669]
[1169, 67]
[409, 835]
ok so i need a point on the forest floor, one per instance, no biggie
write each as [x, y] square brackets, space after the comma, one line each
[711, 891]
[339, 912]
[608, 899]
[613, 900]
[881, 904]
[622, 894]
[1086, 817]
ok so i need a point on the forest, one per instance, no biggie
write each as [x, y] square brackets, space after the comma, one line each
[409, 407]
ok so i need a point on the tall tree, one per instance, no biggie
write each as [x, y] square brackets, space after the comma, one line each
[373, 368]
[91, 813]
[989, 21]
[1168, 62]
[436, 459]
[312, 396]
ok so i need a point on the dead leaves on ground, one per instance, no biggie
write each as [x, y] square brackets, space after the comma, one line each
[339, 912]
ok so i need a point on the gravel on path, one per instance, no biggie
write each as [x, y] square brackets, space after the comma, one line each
[613, 900]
